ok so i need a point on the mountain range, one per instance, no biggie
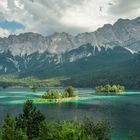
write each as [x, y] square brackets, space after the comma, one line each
[108, 55]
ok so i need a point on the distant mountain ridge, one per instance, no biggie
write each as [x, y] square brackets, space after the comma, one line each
[124, 32]
[61, 54]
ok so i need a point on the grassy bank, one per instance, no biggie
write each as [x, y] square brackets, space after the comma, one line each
[11, 80]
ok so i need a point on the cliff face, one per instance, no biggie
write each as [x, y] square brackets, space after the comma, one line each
[23, 52]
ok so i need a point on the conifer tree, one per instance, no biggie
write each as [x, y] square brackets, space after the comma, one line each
[30, 120]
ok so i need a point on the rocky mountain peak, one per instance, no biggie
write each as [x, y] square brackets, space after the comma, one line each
[124, 32]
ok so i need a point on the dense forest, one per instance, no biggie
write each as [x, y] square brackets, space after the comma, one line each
[106, 68]
[84, 73]
[130, 81]
[117, 68]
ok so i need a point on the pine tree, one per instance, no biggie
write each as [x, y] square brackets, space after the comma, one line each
[30, 120]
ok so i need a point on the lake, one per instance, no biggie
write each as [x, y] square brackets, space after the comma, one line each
[123, 112]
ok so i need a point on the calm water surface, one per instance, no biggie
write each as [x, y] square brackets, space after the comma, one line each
[123, 112]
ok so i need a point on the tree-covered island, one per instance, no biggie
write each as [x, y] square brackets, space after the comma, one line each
[57, 96]
[108, 89]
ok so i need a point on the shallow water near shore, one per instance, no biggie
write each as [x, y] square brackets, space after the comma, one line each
[123, 112]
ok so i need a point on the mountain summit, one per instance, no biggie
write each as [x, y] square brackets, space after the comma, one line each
[124, 32]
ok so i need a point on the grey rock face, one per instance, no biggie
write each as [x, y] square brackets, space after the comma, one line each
[125, 33]
[18, 52]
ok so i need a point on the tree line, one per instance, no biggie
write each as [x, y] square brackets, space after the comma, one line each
[109, 89]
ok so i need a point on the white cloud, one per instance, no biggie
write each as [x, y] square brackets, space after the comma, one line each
[4, 33]
[89, 15]
[125, 8]
[73, 16]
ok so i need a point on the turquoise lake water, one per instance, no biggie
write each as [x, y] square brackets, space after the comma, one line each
[123, 112]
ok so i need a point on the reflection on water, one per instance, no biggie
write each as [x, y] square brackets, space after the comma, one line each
[122, 111]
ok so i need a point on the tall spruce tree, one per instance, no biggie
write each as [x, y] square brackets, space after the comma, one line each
[30, 120]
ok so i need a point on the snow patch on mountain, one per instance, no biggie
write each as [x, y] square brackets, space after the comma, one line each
[133, 52]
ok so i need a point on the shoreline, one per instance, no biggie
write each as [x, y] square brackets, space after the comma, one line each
[110, 93]
[40, 100]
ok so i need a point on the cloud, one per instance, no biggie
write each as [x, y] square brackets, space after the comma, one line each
[88, 15]
[125, 8]
[4, 32]
[72, 16]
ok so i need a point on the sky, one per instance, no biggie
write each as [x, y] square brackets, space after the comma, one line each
[71, 16]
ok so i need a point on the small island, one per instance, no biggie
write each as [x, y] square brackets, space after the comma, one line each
[57, 96]
[110, 90]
